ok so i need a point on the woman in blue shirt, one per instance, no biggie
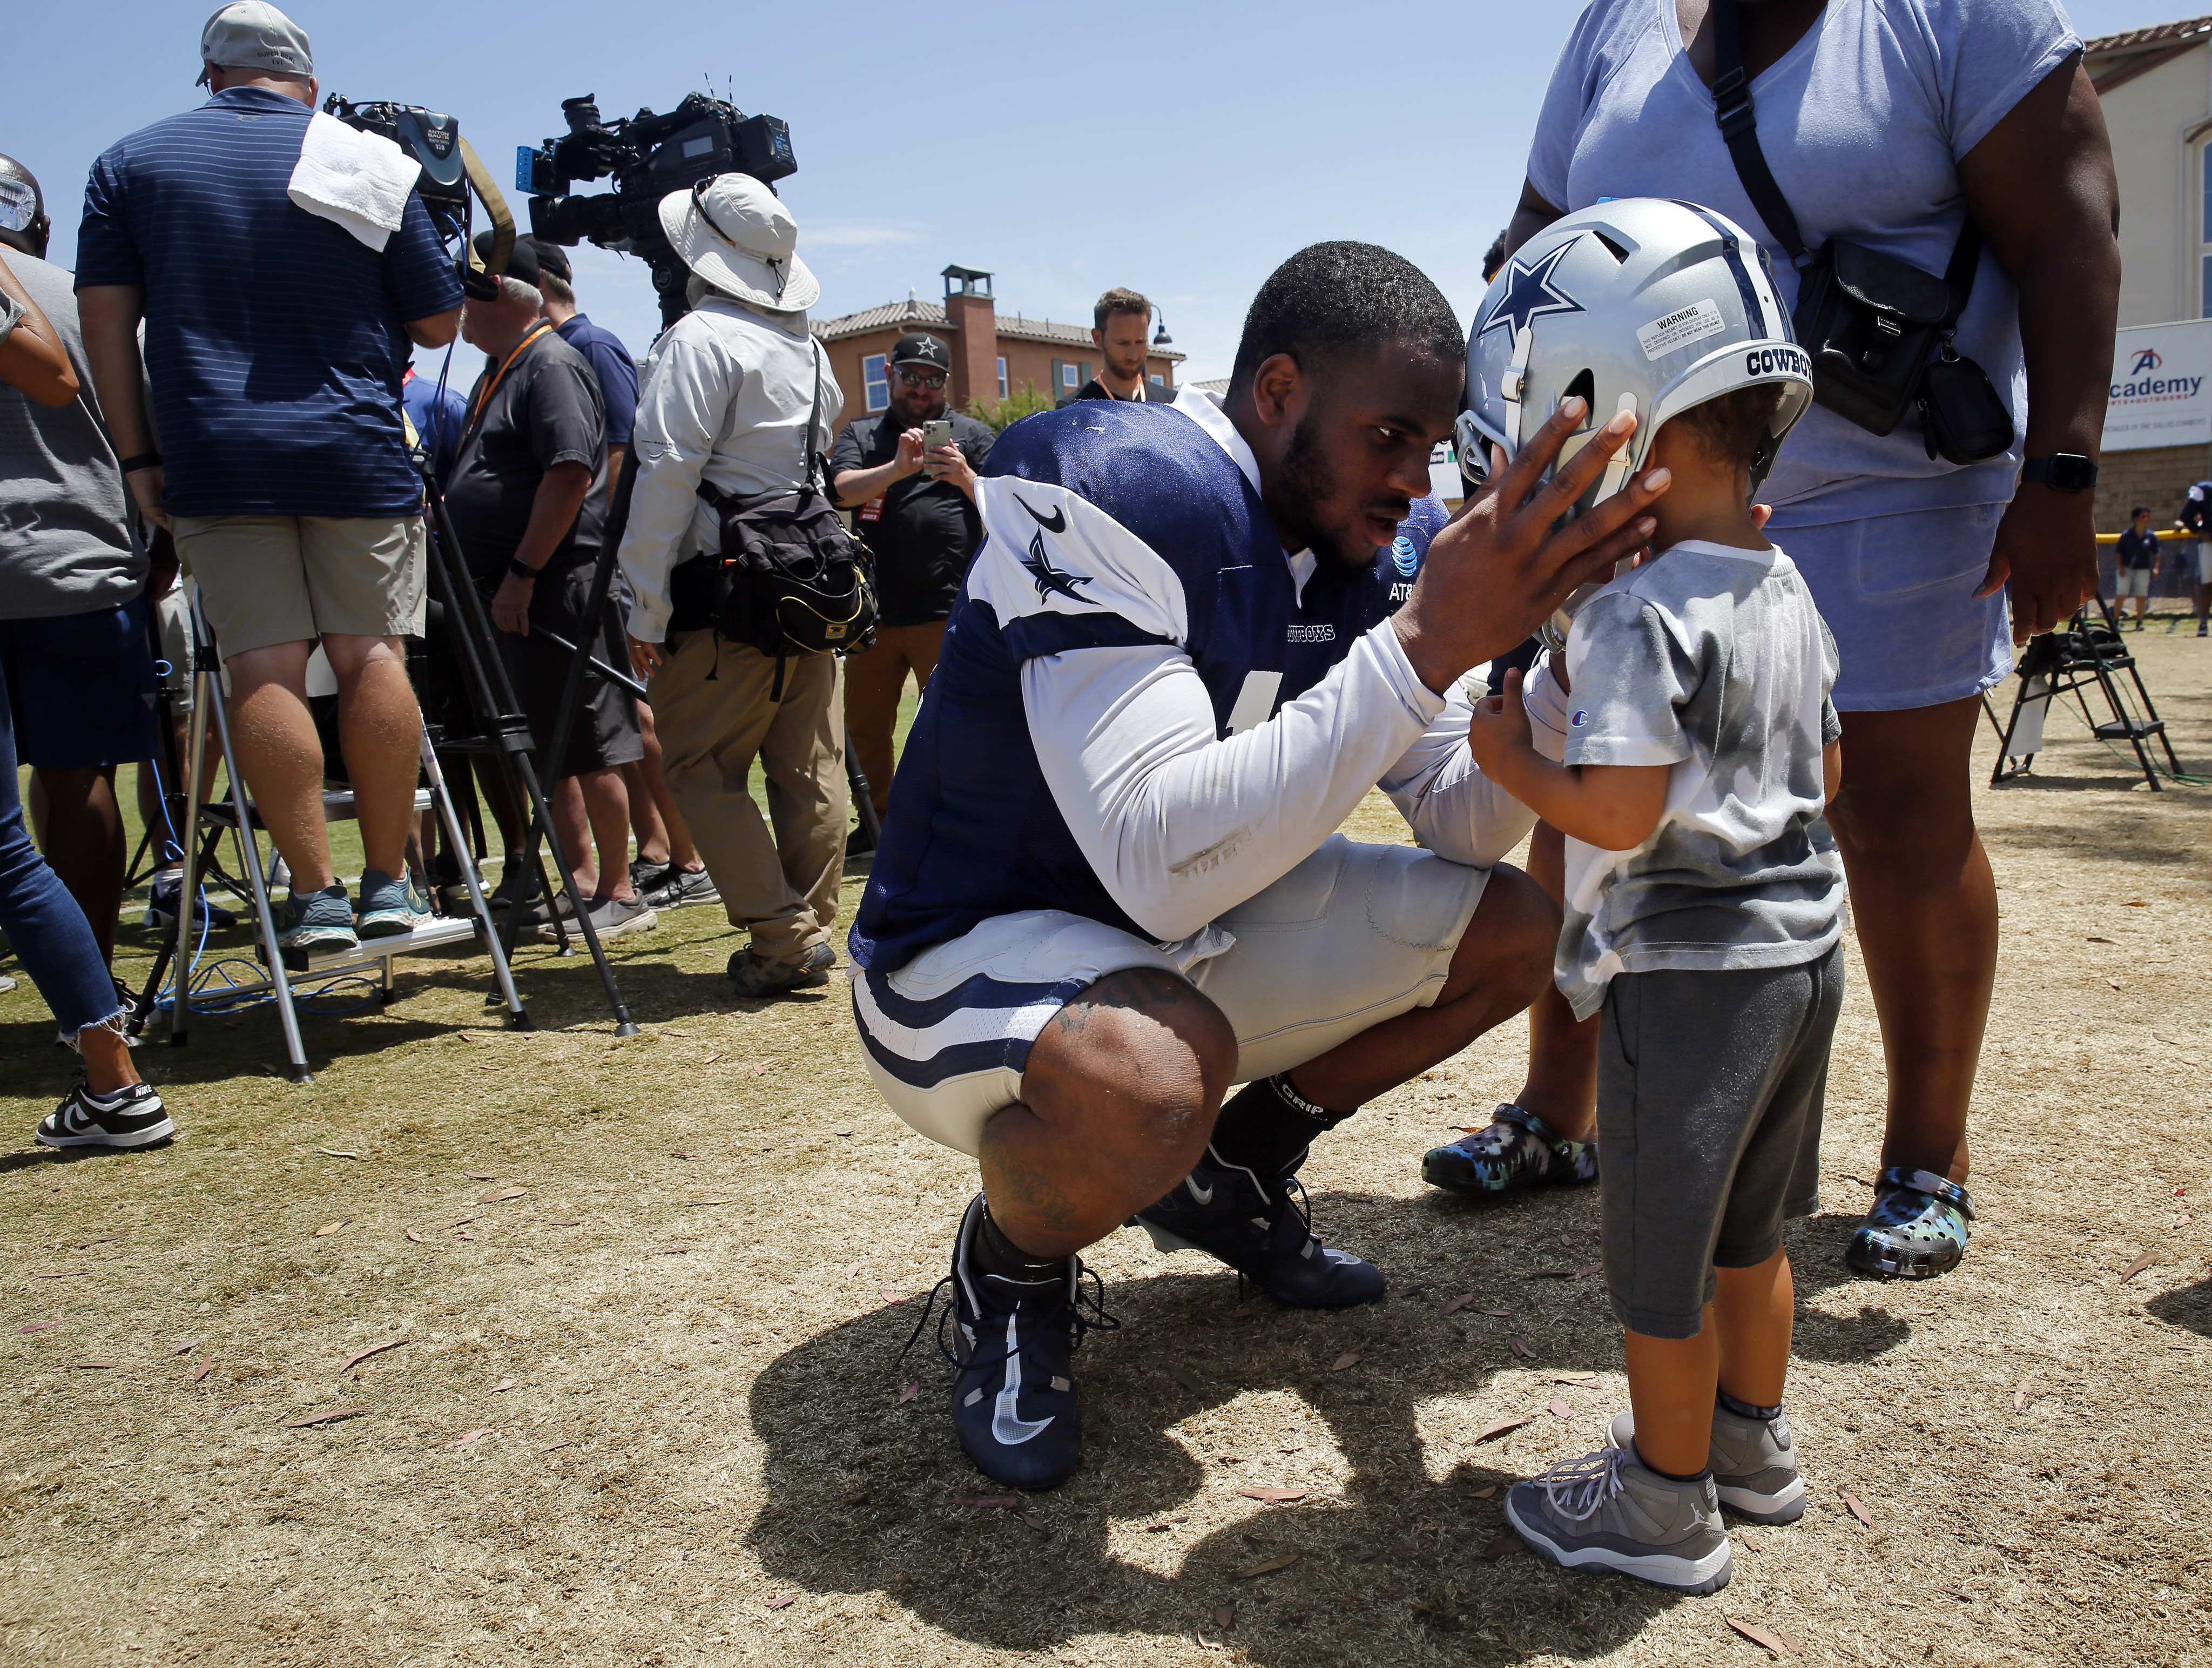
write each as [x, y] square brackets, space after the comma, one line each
[1887, 122]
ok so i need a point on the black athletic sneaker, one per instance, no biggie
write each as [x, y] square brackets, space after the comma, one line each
[1263, 1230]
[132, 1117]
[680, 887]
[1012, 1348]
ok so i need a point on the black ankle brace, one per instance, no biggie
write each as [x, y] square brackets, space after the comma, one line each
[1266, 1125]
[996, 1254]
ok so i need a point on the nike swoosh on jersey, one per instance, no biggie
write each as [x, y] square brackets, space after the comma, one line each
[1058, 523]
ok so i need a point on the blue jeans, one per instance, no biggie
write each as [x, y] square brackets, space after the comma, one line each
[44, 924]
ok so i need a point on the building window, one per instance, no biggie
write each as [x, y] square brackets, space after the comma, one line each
[875, 377]
[1002, 378]
[1157, 382]
[1067, 377]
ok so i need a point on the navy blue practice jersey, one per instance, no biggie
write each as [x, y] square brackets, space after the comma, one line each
[1106, 525]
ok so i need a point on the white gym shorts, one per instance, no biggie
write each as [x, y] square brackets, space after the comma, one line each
[1352, 936]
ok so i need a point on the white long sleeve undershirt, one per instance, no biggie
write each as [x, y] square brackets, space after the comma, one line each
[1181, 825]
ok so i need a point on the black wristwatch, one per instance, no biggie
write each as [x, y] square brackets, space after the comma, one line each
[520, 568]
[2062, 471]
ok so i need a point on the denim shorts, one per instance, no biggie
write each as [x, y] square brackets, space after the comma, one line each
[82, 686]
[1898, 592]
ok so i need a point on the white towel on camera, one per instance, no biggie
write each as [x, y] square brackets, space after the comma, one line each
[358, 180]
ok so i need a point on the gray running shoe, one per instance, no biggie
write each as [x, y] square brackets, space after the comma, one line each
[680, 887]
[390, 908]
[612, 918]
[321, 920]
[756, 978]
[1754, 1464]
[1610, 1511]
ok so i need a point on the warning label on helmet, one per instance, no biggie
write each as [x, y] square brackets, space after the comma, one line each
[1679, 328]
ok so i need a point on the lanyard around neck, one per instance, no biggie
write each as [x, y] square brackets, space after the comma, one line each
[483, 400]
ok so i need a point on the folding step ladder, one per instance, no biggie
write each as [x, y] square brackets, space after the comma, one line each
[237, 815]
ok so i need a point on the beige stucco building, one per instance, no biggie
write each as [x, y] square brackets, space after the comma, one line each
[2156, 86]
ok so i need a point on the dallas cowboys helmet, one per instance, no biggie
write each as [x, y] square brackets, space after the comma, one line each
[1639, 304]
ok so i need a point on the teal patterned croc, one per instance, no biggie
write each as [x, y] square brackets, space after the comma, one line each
[1917, 1229]
[1517, 1152]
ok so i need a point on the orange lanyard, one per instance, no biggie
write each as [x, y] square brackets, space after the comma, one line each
[505, 365]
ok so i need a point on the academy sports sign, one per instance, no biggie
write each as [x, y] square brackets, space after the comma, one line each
[2161, 391]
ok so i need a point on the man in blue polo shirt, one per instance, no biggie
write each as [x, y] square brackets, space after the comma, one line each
[275, 338]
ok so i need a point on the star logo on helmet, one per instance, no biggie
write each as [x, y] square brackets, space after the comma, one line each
[1530, 294]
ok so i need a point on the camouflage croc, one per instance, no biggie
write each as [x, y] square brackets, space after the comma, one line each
[1917, 1229]
[1518, 1151]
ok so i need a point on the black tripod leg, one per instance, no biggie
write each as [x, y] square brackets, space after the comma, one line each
[494, 693]
[864, 799]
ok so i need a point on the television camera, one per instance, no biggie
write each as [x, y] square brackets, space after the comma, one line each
[450, 170]
[649, 157]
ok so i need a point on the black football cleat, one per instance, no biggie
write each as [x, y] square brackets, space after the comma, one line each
[1264, 1230]
[1014, 1402]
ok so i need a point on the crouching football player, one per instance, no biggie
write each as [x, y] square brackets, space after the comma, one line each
[1110, 885]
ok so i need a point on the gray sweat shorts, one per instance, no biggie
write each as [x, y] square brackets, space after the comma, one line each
[1708, 1090]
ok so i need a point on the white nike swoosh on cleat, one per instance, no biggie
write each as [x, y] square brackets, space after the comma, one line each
[1008, 1426]
[1203, 1195]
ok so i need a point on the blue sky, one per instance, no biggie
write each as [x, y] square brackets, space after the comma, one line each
[1182, 149]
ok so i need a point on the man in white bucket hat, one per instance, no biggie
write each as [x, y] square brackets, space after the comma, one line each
[737, 394]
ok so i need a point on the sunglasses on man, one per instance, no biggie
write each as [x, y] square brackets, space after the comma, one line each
[931, 379]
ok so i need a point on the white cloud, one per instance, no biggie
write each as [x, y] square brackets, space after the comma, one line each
[857, 234]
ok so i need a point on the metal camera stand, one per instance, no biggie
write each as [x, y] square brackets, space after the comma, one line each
[504, 737]
[2087, 654]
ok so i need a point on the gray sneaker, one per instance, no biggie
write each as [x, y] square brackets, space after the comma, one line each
[322, 920]
[390, 908]
[680, 887]
[612, 918]
[756, 978]
[1610, 1511]
[1753, 1462]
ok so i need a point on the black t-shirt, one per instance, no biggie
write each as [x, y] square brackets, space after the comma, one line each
[546, 410]
[2138, 549]
[923, 531]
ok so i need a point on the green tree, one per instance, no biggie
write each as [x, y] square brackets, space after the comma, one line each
[997, 414]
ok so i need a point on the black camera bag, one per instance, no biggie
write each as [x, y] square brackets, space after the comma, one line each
[1878, 330]
[789, 578]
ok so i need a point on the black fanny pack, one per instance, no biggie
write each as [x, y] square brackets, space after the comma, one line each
[1880, 331]
[789, 578]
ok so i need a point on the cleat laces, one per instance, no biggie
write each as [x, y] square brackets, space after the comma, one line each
[1092, 1299]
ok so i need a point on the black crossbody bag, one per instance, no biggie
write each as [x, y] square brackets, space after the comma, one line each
[1880, 330]
[789, 579]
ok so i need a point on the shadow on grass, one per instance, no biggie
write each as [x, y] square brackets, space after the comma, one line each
[863, 1491]
[2185, 1305]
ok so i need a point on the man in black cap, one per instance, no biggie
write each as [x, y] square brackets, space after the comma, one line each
[916, 510]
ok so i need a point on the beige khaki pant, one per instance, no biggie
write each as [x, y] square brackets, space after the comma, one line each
[783, 887]
[875, 682]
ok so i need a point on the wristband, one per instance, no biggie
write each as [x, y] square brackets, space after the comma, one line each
[520, 568]
[143, 460]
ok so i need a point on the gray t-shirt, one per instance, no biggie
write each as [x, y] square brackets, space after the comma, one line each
[1712, 660]
[66, 545]
[1864, 123]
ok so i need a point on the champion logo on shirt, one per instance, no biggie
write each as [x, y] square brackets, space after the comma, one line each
[1579, 720]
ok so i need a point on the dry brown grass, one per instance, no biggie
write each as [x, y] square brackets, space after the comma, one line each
[653, 1398]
